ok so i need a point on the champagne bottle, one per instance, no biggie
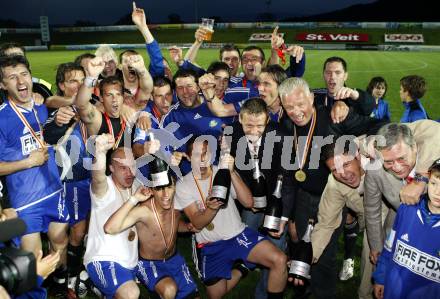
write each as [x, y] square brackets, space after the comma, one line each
[221, 184]
[158, 169]
[258, 186]
[302, 259]
[274, 209]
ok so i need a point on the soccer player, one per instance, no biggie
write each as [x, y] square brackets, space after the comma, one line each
[158, 65]
[408, 267]
[40, 87]
[71, 135]
[110, 260]
[224, 238]
[191, 112]
[160, 268]
[28, 162]
[138, 83]
[109, 56]
[336, 96]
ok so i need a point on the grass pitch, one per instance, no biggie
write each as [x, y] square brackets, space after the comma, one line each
[362, 66]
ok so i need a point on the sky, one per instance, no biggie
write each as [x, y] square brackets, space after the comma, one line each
[108, 12]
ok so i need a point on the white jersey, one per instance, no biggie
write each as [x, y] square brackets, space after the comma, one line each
[227, 222]
[105, 247]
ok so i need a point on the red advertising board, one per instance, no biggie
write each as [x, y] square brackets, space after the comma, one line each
[332, 37]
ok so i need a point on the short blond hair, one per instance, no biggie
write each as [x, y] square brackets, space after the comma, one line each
[106, 50]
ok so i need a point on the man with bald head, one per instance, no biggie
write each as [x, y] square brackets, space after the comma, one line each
[110, 260]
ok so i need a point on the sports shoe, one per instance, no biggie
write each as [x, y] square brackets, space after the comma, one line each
[347, 270]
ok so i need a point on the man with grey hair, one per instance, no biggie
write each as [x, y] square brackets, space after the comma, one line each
[311, 127]
[407, 151]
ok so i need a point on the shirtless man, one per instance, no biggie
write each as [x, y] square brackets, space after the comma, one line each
[161, 268]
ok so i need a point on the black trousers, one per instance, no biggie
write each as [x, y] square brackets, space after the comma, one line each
[324, 272]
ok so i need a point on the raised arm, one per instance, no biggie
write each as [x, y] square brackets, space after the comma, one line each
[103, 143]
[217, 107]
[145, 80]
[276, 43]
[88, 113]
[194, 49]
[129, 213]
[153, 49]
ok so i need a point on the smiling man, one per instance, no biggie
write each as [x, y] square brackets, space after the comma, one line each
[28, 162]
[407, 151]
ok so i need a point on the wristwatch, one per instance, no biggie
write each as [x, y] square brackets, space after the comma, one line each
[420, 178]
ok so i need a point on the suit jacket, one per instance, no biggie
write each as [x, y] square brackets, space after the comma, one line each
[269, 154]
[380, 183]
[336, 195]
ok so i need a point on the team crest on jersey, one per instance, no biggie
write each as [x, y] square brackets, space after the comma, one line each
[213, 123]
[29, 144]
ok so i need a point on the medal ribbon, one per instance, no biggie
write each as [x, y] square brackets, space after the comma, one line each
[26, 123]
[202, 196]
[167, 245]
[156, 112]
[308, 142]
[118, 138]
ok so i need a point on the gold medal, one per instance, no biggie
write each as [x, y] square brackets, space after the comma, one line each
[210, 226]
[300, 175]
[131, 235]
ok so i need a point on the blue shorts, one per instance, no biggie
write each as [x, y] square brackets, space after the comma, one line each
[109, 276]
[150, 272]
[77, 196]
[215, 260]
[38, 217]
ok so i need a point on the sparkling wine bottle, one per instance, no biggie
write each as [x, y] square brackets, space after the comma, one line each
[274, 208]
[221, 184]
[302, 259]
[158, 169]
[258, 186]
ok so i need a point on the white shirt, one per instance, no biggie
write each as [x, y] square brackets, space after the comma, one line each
[105, 247]
[227, 222]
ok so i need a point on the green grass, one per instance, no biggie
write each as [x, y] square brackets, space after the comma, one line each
[238, 35]
[362, 65]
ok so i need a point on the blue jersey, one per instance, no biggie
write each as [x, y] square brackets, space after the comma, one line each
[413, 111]
[381, 111]
[167, 139]
[184, 122]
[32, 185]
[236, 96]
[409, 266]
[242, 82]
[156, 67]
[79, 156]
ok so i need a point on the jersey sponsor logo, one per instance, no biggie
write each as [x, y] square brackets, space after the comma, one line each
[29, 144]
[417, 261]
[197, 116]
